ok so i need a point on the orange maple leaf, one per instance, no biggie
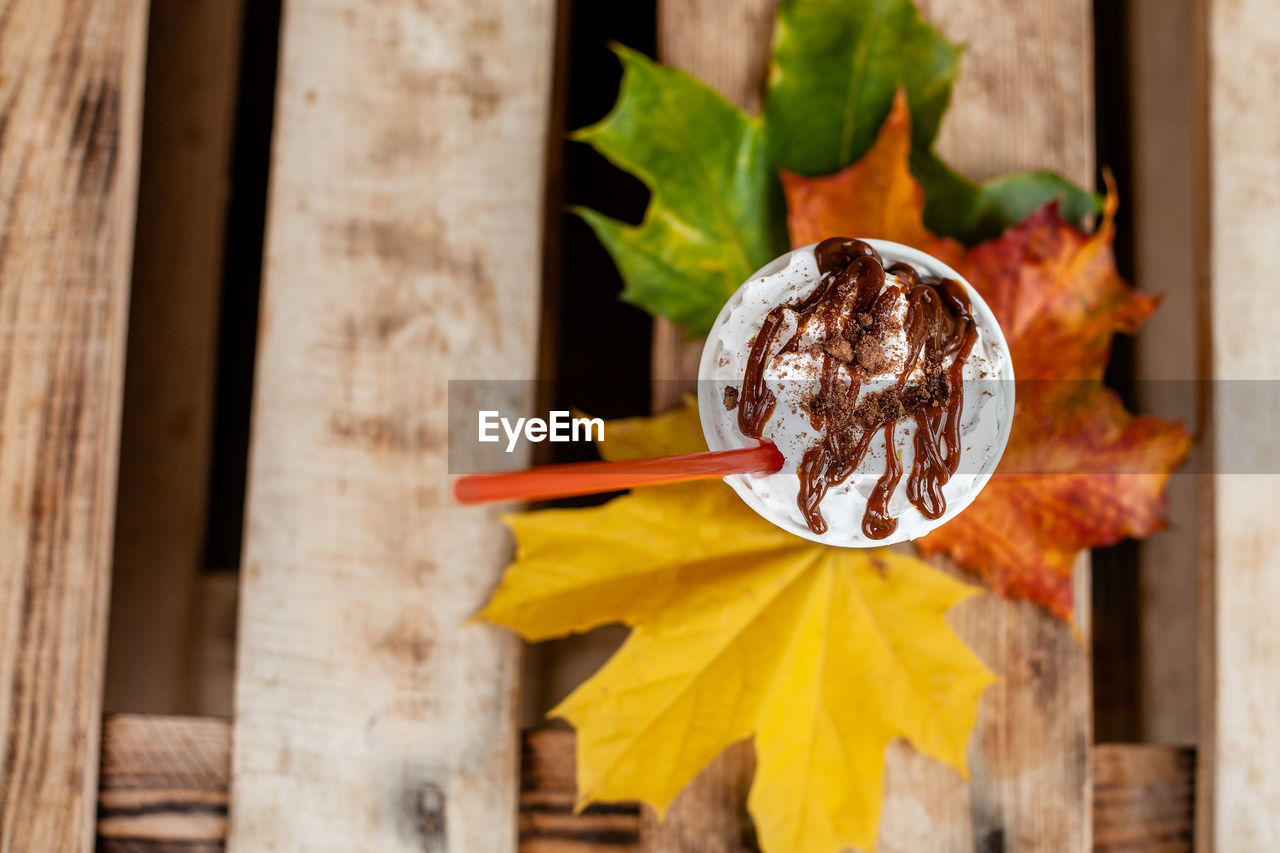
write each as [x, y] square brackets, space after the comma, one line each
[1079, 471]
[874, 197]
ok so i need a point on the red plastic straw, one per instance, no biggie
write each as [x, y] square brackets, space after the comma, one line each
[588, 478]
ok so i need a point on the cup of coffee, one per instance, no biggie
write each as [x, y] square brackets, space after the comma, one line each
[881, 375]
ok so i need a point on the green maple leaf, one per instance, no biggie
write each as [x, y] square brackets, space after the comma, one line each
[835, 68]
[972, 212]
[717, 213]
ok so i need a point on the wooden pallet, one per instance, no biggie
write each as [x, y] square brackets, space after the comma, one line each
[165, 780]
[369, 714]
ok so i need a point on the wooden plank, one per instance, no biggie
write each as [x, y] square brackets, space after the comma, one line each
[173, 315]
[1163, 213]
[403, 248]
[70, 98]
[1029, 755]
[710, 814]
[1143, 798]
[1028, 72]
[1024, 99]
[164, 782]
[548, 791]
[725, 44]
[1240, 689]
[735, 65]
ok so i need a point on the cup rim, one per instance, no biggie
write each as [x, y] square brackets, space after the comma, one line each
[739, 482]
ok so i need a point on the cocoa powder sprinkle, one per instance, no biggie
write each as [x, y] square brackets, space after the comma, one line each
[730, 398]
[840, 349]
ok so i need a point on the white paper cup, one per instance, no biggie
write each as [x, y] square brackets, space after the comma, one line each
[986, 418]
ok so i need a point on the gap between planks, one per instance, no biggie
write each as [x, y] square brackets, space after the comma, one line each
[164, 782]
[184, 183]
[1163, 209]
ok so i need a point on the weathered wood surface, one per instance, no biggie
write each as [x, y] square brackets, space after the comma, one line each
[1143, 798]
[165, 784]
[735, 64]
[725, 44]
[710, 814]
[70, 99]
[1240, 680]
[548, 793]
[163, 781]
[1024, 99]
[192, 62]
[403, 249]
[1163, 212]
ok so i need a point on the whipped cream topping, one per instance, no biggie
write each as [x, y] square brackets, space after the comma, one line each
[793, 378]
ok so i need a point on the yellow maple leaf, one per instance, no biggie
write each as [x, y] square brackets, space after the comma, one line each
[740, 629]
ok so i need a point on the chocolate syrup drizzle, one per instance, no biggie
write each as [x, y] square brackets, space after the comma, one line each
[852, 303]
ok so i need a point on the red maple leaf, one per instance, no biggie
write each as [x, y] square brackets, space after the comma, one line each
[1079, 471]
